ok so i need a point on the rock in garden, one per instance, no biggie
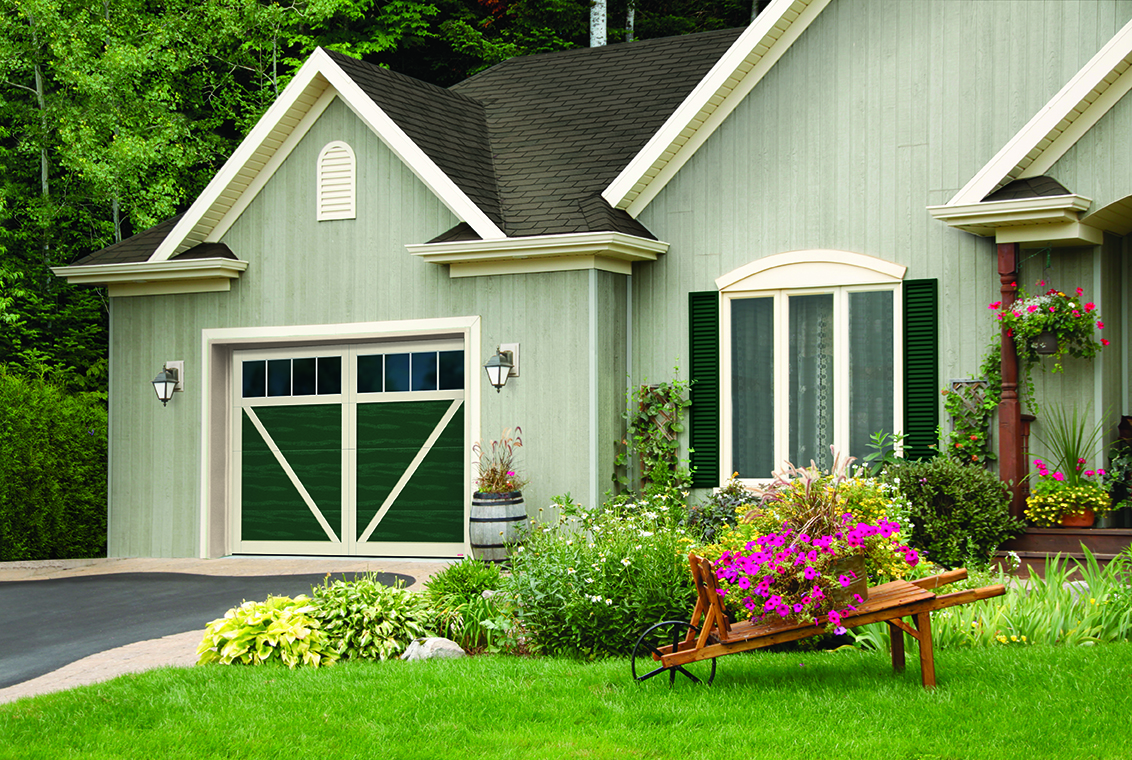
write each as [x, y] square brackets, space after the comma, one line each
[432, 648]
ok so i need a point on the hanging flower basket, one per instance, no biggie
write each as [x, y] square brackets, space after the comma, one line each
[1052, 324]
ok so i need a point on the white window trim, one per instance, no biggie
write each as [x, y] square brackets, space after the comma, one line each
[346, 208]
[822, 271]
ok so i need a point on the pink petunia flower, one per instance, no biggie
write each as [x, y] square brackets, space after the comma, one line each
[1058, 476]
[1104, 341]
[1100, 325]
[1080, 291]
[1090, 306]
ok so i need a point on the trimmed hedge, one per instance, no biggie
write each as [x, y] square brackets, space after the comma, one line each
[52, 471]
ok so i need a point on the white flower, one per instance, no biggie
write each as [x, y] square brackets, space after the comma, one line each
[520, 548]
[589, 580]
[646, 533]
[608, 601]
[625, 562]
[569, 571]
[650, 515]
[638, 546]
[570, 542]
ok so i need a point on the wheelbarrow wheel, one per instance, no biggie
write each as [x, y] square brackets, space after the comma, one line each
[645, 661]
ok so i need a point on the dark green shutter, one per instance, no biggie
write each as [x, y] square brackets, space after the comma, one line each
[703, 330]
[921, 368]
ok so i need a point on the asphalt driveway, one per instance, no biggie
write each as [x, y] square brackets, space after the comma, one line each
[50, 623]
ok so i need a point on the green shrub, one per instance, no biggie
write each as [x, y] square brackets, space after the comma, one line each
[280, 629]
[720, 511]
[52, 471]
[464, 615]
[461, 581]
[591, 582]
[365, 620]
[959, 512]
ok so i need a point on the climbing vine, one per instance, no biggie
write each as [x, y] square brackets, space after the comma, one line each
[655, 418]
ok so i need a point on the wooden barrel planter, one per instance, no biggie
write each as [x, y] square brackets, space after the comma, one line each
[494, 523]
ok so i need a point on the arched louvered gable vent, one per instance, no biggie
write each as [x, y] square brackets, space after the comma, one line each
[336, 184]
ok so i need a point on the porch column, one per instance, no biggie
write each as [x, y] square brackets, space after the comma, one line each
[1012, 464]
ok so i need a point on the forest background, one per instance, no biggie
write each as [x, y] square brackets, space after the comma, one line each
[114, 115]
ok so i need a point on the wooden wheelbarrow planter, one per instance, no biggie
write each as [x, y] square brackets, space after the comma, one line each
[710, 635]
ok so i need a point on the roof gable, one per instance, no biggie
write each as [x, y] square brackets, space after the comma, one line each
[314, 86]
[1088, 96]
[732, 77]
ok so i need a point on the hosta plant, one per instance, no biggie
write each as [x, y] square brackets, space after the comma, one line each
[364, 619]
[279, 629]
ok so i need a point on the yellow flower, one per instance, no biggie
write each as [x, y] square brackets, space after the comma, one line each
[1001, 638]
[1023, 639]
[1013, 638]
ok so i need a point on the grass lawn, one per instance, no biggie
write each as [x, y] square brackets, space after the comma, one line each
[1002, 702]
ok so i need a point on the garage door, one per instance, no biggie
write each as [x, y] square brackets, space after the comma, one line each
[349, 450]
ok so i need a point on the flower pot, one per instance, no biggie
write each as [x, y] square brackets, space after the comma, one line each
[1083, 519]
[854, 567]
[495, 523]
[1045, 344]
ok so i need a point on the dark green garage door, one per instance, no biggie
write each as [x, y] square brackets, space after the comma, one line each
[351, 450]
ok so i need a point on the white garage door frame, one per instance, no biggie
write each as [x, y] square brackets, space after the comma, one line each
[217, 346]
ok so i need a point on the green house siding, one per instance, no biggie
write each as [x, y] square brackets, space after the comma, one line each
[877, 111]
[303, 272]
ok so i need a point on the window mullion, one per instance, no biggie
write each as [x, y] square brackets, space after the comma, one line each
[841, 370]
[781, 378]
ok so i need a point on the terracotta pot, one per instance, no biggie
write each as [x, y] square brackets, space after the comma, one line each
[1083, 519]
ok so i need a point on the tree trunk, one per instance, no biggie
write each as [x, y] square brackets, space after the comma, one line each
[597, 23]
[630, 17]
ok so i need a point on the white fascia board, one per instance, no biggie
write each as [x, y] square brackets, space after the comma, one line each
[720, 91]
[1060, 123]
[307, 81]
[310, 83]
[984, 218]
[514, 255]
[152, 271]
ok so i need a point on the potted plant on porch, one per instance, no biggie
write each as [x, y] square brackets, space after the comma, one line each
[498, 511]
[1052, 324]
[1068, 492]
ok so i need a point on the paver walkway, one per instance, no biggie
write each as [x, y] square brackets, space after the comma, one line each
[177, 649]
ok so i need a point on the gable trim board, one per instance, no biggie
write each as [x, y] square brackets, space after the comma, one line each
[1054, 129]
[217, 371]
[608, 251]
[723, 88]
[316, 83]
[158, 278]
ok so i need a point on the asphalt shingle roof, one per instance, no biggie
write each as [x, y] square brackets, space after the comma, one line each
[1031, 187]
[532, 141]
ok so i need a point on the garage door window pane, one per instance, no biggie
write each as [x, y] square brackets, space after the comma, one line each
[370, 373]
[451, 370]
[255, 379]
[279, 377]
[302, 377]
[424, 371]
[329, 375]
[396, 372]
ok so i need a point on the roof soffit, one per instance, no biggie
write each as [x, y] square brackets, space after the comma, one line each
[708, 105]
[296, 109]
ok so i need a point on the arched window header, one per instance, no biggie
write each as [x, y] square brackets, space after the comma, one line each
[336, 183]
[811, 269]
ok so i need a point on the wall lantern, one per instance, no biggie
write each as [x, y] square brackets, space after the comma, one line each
[168, 381]
[502, 365]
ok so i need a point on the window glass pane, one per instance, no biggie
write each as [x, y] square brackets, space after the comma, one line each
[279, 377]
[811, 379]
[871, 368]
[255, 379]
[752, 387]
[302, 377]
[396, 372]
[451, 370]
[329, 375]
[424, 371]
[370, 374]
